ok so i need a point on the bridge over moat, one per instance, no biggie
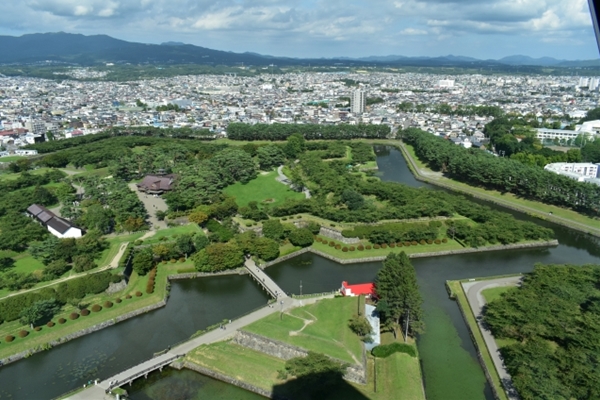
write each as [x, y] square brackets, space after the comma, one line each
[264, 280]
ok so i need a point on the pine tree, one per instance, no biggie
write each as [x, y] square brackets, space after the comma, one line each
[397, 288]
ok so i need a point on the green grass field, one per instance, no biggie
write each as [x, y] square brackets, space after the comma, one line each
[263, 188]
[492, 294]
[10, 159]
[169, 232]
[321, 327]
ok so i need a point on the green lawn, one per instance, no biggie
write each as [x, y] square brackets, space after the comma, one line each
[321, 327]
[460, 297]
[261, 189]
[399, 377]
[10, 176]
[451, 245]
[169, 232]
[492, 294]
[10, 159]
[25, 263]
[114, 245]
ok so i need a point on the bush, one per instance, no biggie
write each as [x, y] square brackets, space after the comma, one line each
[118, 300]
[138, 294]
[414, 243]
[50, 324]
[37, 328]
[173, 261]
[376, 246]
[96, 308]
[345, 249]
[248, 224]
[138, 242]
[407, 244]
[331, 243]
[422, 241]
[429, 241]
[284, 219]
[360, 247]
[128, 296]
[61, 321]
[9, 338]
[399, 244]
[351, 248]
[181, 259]
[23, 333]
[73, 315]
[151, 281]
[368, 247]
[392, 245]
[384, 246]
[85, 312]
[332, 225]
[338, 246]
[445, 240]
[387, 350]
[437, 241]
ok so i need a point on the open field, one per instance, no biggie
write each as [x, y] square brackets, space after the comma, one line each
[262, 189]
[543, 211]
[169, 232]
[492, 294]
[460, 297]
[321, 327]
[10, 159]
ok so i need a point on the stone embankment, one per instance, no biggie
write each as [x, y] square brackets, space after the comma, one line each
[336, 235]
[191, 275]
[354, 372]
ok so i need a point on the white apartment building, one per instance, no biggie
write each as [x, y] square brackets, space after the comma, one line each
[545, 134]
[359, 101]
[585, 170]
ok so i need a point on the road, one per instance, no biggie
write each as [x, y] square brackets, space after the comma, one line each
[477, 302]
[152, 204]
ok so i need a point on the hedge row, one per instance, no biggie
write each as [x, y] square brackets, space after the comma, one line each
[386, 350]
[151, 279]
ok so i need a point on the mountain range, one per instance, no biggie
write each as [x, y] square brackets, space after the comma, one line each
[97, 49]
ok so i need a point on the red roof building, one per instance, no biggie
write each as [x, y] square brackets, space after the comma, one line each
[361, 289]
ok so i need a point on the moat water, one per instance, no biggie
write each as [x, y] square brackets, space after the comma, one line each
[449, 363]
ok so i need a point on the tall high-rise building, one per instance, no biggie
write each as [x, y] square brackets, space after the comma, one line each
[358, 101]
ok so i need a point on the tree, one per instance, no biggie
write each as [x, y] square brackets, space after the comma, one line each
[185, 244]
[233, 165]
[143, 261]
[198, 217]
[39, 312]
[97, 217]
[56, 269]
[6, 263]
[301, 237]
[272, 229]
[133, 224]
[296, 144]
[352, 199]
[396, 284]
[266, 249]
[161, 251]
[83, 262]
[200, 241]
[359, 325]
[270, 156]
[218, 257]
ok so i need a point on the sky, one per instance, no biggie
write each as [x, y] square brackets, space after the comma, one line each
[325, 28]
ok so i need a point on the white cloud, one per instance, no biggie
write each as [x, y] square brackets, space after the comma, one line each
[413, 32]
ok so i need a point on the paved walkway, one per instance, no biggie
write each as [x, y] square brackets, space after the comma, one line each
[152, 204]
[264, 280]
[286, 181]
[477, 302]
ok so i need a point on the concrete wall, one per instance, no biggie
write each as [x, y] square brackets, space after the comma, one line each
[354, 373]
[336, 235]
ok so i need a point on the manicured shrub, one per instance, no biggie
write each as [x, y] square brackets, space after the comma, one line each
[351, 248]
[96, 308]
[376, 246]
[181, 259]
[407, 244]
[108, 304]
[50, 324]
[368, 247]
[331, 243]
[360, 247]
[248, 224]
[9, 338]
[61, 321]
[37, 328]
[422, 241]
[429, 241]
[384, 246]
[332, 225]
[23, 333]
[138, 242]
[387, 350]
[414, 243]
[437, 241]
[128, 296]
[298, 216]
[399, 244]
[445, 240]
[338, 246]
[85, 312]
[173, 261]
[345, 249]
[151, 280]
[392, 245]
[73, 315]
[284, 219]
[118, 300]
[138, 294]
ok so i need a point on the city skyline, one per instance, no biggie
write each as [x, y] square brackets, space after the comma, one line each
[554, 28]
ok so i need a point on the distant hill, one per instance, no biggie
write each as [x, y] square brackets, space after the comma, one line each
[97, 49]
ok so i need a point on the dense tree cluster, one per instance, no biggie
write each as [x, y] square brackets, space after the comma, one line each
[498, 173]
[239, 131]
[554, 320]
[399, 302]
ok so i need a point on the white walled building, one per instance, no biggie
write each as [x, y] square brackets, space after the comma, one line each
[359, 101]
[585, 170]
